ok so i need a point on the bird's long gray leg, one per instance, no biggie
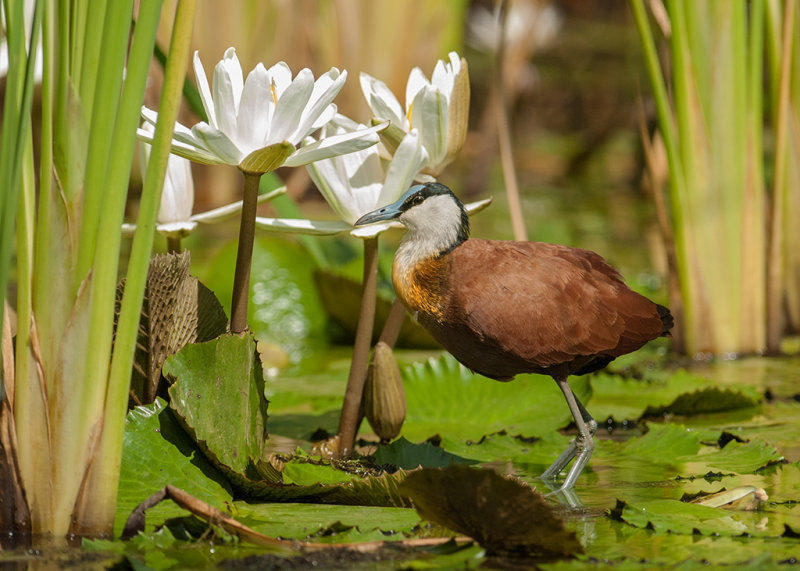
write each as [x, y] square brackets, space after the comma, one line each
[581, 446]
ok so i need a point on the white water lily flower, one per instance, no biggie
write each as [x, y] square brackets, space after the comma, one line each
[358, 183]
[255, 124]
[438, 109]
[175, 218]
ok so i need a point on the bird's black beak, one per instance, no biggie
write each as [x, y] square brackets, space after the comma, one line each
[389, 212]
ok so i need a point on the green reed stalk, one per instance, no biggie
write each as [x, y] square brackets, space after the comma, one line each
[712, 133]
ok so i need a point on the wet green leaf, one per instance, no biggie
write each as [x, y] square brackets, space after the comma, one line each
[308, 474]
[407, 456]
[684, 452]
[217, 394]
[156, 452]
[674, 516]
[680, 393]
[445, 398]
[312, 521]
[504, 515]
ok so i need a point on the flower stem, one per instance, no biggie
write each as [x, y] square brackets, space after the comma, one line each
[244, 255]
[391, 329]
[349, 420]
[173, 245]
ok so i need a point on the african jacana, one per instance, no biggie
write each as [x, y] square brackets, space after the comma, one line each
[503, 308]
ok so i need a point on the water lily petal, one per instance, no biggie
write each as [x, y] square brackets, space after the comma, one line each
[444, 74]
[335, 145]
[299, 226]
[319, 109]
[429, 115]
[252, 123]
[382, 101]
[227, 89]
[290, 108]
[329, 178]
[280, 78]
[372, 230]
[458, 112]
[218, 143]
[196, 153]
[205, 92]
[416, 82]
[232, 209]
[177, 194]
[408, 159]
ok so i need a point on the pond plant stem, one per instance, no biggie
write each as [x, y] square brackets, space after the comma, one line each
[244, 254]
[391, 329]
[351, 407]
[504, 133]
[173, 245]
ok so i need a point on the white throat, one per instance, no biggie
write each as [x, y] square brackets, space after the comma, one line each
[433, 226]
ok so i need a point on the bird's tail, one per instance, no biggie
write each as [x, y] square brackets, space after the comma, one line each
[667, 321]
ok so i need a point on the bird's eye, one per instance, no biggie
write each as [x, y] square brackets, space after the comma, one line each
[416, 199]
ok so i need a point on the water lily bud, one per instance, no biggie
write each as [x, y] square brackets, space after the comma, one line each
[384, 395]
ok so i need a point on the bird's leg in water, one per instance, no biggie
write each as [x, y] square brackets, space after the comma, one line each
[581, 446]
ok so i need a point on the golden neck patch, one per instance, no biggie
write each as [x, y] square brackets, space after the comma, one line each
[422, 286]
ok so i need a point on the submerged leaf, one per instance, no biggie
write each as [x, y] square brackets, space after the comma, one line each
[504, 515]
[407, 456]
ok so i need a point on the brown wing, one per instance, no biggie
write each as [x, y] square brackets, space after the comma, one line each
[545, 303]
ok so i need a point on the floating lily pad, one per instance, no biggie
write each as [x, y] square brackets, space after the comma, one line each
[156, 452]
[445, 398]
[684, 452]
[217, 394]
[320, 522]
[504, 515]
[681, 393]
[674, 516]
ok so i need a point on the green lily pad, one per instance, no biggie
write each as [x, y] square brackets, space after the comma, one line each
[217, 393]
[504, 515]
[322, 522]
[314, 481]
[407, 456]
[684, 452]
[445, 398]
[155, 452]
[681, 393]
[674, 516]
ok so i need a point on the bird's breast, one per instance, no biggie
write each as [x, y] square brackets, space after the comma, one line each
[422, 285]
